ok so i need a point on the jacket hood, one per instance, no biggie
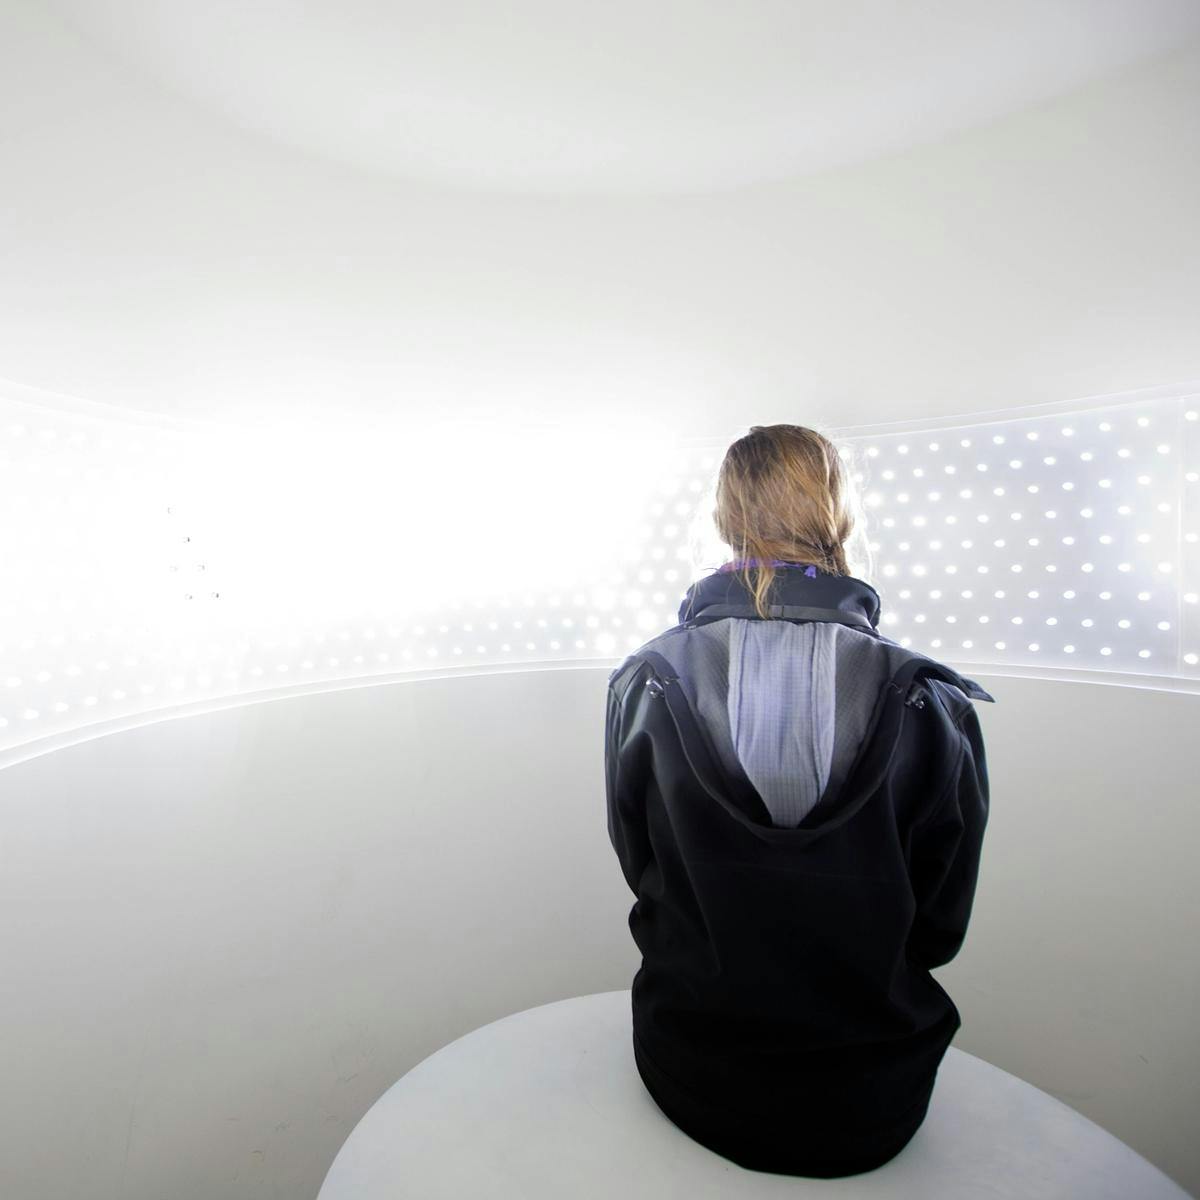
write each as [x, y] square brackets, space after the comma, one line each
[788, 707]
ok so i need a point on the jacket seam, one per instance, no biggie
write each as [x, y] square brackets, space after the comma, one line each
[951, 784]
[958, 712]
[627, 684]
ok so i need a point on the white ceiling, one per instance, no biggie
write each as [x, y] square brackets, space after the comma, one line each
[628, 96]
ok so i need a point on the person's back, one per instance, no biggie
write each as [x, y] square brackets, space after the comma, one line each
[798, 804]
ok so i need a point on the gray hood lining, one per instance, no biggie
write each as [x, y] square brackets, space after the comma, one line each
[788, 705]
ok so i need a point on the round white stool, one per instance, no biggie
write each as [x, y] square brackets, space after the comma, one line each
[548, 1103]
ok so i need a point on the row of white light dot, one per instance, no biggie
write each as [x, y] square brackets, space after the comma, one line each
[1032, 435]
[983, 569]
[604, 644]
[1086, 622]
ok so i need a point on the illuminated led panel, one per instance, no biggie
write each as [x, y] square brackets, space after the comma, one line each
[152, 567]
[1065, 541]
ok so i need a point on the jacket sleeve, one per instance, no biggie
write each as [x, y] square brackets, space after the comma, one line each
[946, 852]
[627, 829]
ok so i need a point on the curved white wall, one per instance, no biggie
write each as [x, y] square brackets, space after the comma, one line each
[225, 935]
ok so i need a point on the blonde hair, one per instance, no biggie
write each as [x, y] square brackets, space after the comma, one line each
[783, 493]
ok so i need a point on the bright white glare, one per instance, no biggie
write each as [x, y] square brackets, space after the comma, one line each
[152, 563]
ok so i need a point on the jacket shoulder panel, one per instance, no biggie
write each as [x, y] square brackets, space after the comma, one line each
[951, 697]
[620, 680]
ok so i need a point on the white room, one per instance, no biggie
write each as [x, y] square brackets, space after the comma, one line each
[367, 378]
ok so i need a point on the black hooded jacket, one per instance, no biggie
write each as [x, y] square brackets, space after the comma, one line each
[784, 1014]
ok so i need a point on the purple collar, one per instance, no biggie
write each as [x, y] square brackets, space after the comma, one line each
[809, 569]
